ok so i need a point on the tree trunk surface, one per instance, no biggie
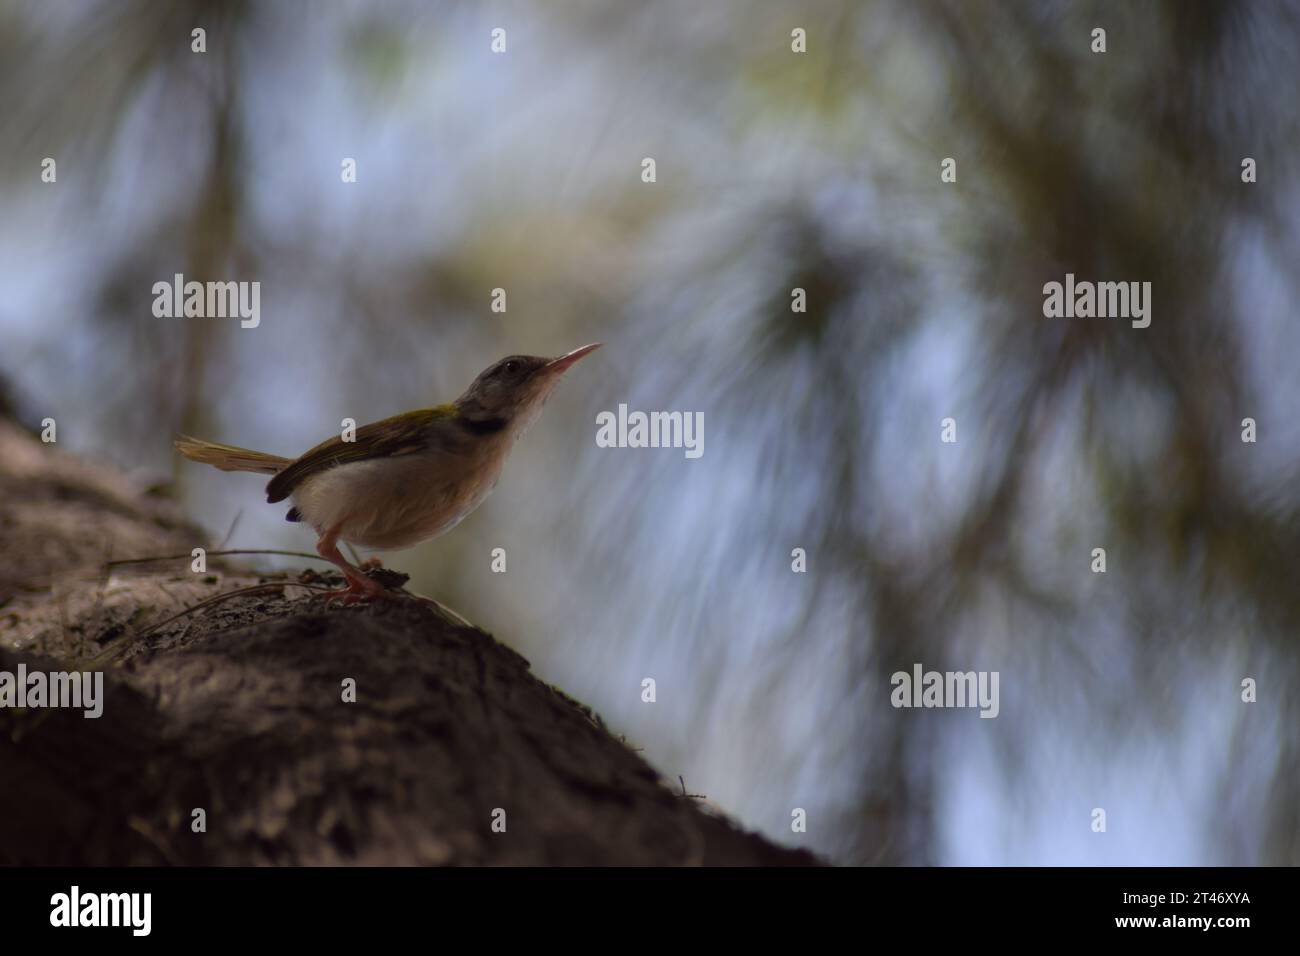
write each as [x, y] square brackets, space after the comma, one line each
[451, 753]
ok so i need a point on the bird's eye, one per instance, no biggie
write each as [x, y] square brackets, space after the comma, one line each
[510, 366]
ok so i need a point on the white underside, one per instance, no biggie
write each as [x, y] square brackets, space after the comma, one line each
[392, 503]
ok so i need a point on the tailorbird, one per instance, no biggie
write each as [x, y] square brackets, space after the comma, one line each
[407, 478]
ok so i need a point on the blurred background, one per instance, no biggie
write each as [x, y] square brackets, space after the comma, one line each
[775, 170]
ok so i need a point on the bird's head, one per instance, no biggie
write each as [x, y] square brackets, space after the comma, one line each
[510, 393]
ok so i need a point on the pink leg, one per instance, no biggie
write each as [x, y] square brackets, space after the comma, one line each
[360, 587]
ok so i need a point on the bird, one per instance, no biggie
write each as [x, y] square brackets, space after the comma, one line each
[405, 479]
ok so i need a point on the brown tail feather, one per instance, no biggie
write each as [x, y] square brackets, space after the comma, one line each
[228, 457]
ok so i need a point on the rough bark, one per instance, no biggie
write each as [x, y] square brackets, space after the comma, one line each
[237, 709]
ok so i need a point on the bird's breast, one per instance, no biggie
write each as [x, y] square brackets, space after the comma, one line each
[392, 503]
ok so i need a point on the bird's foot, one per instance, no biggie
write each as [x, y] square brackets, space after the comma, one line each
[371, 564]
[358, 590]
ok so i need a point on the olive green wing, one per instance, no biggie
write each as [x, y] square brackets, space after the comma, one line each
[400, 435]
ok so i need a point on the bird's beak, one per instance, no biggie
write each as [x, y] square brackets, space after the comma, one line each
[560, 365]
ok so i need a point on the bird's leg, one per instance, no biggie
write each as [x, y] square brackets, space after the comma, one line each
[360, 587]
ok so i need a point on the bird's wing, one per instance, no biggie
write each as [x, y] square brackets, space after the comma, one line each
[400, 435]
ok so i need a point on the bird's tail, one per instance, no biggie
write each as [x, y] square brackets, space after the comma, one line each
[228, 457]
